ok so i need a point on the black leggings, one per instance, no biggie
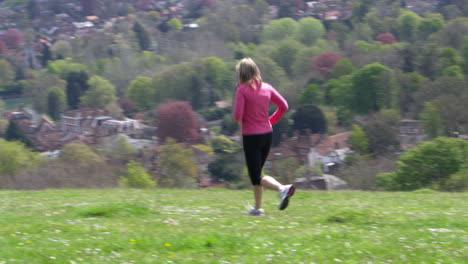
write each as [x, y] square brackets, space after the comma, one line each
[256, 149]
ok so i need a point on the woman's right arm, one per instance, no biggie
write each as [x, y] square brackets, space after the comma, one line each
[239, 103]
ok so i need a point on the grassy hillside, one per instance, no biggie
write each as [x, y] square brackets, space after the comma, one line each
[208, 226]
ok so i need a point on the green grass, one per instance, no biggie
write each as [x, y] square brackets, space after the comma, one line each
[208, 226]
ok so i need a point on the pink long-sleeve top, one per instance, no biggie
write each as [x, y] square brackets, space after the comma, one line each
[251, 108]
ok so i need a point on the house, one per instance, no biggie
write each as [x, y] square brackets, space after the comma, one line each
[330, 151]
[85, 125]
[410, 133]
[313, 150]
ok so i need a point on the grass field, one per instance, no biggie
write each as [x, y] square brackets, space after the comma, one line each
[208, 226]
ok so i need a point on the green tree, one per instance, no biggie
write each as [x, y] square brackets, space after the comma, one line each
[65, 66]
[80, 155]
[432, 121]
[142, 35]
[229, 126]
[100, 93]
[339, 91]
[118, 149]
[370, 91]
[15, 157]
[464, 63]
[407, 25]
[358, 140]
[15, 133]
[309, 30]
[174, 24]
[453, 71]
[341, 68]
[56, 102]
[309, 117]
[136, 177]
[6, 72]
[430, 25]
[176, 166]
[77, 85]
[141, 92]
[286, 54]
[361, 8]
[381, 133]
[61, 49]
[409, 84]
[280, 29]
[429, 163]
[227, 167]
[222, 144]
[312, 94]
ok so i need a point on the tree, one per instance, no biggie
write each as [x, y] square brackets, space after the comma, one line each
[222, 144]
[324, 62]
[6, 72]
[280, 29]
[370, 92]
[56, 102]
[454, 32]
[77, 85]
[142, 35]
[3, 48]
[339, 91]
[15, 133]
[309, 30]
[409, 84]
[430, 25]
[136, 177]
[100, 93]
[127, 106]
[285, 55]
[312, 94]
[286, 9]
[386, 38]
[309, 117]
[229, 126]
[46, 55]
[429, 163]
[13, 38]
[65, 67]
[432, 121]
[33, 9]
[407, 25]
[464, 63]
[177, 120]
[360, 9]
[176, 166]
[175, 25]
[358, 140]
[141, 92]
[341, 68]
[381, 134]
[226, 167]
[15, 157]
[61, 49]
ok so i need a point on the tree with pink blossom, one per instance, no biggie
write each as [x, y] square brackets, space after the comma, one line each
[386, 38]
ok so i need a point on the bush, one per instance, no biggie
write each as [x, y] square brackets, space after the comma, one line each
[457, 182]
[136, 177]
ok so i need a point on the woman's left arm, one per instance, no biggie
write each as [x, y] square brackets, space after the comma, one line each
[281, 103]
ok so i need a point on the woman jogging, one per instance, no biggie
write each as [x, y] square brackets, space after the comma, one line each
[253, 98]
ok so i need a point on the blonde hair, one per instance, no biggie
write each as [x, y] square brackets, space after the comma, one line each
[248, 71]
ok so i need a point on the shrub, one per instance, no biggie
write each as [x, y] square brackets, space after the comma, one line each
[136, 177]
